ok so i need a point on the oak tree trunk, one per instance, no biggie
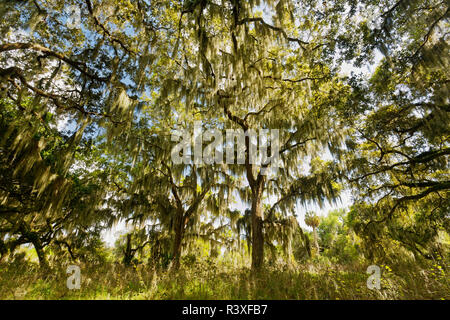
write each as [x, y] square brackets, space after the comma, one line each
[316, 243]
[257, 229]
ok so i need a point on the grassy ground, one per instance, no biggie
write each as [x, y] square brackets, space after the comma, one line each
[24, 280]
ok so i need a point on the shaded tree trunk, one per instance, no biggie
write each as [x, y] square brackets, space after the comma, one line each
[3, 250]
[176, 249]
[307, 244]
[39, 251]
[41, 256]
[257, 227]
[128, 253]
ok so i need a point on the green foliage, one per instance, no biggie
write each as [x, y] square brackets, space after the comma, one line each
[87, 113]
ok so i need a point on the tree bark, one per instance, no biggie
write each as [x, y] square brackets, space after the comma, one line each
[176, 249]
[257, 227]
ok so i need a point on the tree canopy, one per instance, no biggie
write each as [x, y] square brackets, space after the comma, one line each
[92, 92]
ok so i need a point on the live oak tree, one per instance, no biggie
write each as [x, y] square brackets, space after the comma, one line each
[90, 71]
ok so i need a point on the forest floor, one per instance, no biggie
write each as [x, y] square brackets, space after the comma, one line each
[25, 280]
